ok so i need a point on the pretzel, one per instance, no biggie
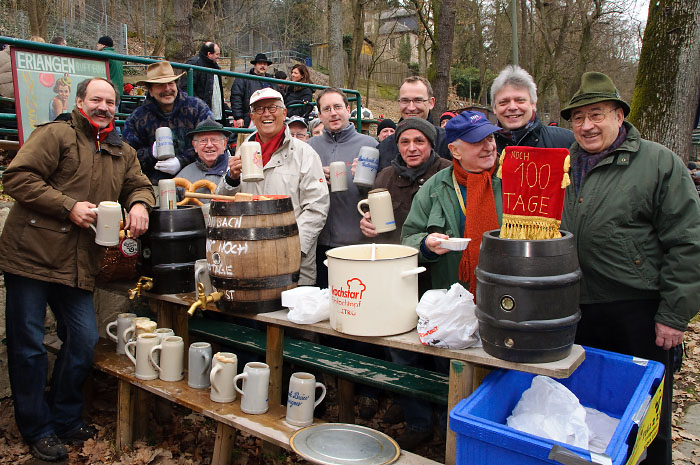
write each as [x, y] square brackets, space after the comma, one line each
[192, 187]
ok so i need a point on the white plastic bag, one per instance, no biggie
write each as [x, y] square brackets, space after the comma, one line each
[311, 308]
[447, 319]
[549, 410]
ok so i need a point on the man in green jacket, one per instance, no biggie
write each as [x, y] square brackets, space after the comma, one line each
[116, 67]
[636, 217]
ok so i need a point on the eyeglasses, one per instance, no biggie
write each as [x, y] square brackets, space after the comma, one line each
[416, 101]
[271, 108]
[337, 107]
[596, 116]
[209, 140]
[298, 134]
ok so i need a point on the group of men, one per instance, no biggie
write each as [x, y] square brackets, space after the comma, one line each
[631, 205]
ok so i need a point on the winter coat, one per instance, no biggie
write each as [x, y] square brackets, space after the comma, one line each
[202, 82]
[538, 135]
[300, 95]
[241, 90]
[294, 170]
[343, 224]
[388, 149]
[116, 71]
[140, 130]
[636, 220]
[198, 170]
[6, 84]
[436, 208]
[55, 168]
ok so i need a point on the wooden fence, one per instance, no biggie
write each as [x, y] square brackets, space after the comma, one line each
[385, 71]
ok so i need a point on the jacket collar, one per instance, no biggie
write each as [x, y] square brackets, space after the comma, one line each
[341, 136]
[206, 61]
[82, 124]
[629, 146]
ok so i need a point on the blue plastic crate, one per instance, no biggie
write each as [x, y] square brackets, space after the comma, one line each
[615, 384]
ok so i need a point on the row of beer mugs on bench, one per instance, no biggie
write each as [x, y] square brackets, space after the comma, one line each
[158, 353]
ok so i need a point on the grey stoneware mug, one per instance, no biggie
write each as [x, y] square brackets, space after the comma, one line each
[199, 365]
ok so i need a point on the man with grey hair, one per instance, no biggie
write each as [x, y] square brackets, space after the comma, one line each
[514, 100]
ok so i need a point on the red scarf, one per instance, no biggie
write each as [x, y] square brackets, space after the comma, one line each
[269, 147]
[480, 215]
[100, 133]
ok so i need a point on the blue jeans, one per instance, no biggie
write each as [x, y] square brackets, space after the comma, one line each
[37, 415]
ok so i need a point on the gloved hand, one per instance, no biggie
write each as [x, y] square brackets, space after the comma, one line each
[154, 151]
[170, 166]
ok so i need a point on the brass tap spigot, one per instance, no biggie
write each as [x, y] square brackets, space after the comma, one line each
[203, 299]
[143, 284]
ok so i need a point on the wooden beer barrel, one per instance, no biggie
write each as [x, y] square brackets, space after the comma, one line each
[253, 252]
[527, 297]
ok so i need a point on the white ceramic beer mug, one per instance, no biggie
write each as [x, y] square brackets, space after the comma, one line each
[109, 215]
[251, 162]
[172, 353]
[301, 398]
[167, 195]
[222, 377]
[380, 209]
[367, 166]
[256, 378]
[199, 365]
[141, 358]
[338, 174]
[165, 148]
[130, 332]
[162, 333]
[122, 323]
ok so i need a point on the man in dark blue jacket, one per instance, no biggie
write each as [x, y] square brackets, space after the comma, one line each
[243, 88]
[207, 86]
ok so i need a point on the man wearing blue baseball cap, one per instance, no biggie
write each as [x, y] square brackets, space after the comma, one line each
[462, 201]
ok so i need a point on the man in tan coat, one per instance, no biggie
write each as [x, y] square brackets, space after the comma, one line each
[62, 171]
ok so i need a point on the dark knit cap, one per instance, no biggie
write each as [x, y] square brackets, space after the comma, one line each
[424, 126]
[386, 123]
[106, 41]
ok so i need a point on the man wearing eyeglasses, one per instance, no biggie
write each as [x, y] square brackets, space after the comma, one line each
[338, 142]
[636, 217]
[290, 167]
[416, 100]
[514, 100]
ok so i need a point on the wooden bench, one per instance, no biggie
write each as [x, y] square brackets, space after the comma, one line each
[270, 426]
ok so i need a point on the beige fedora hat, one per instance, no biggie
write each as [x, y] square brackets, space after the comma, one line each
[159, 73]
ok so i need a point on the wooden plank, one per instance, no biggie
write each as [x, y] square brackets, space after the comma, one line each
[125, 407]
[273, 357]
[461, 386]
[346, 401]
[9, 145]
[223, 445]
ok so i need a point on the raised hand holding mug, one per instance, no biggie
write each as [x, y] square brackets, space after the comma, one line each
[380, 209]
[338, 176]
[251, 162]
[109, 215]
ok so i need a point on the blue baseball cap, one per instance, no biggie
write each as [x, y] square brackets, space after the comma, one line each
[469, 126]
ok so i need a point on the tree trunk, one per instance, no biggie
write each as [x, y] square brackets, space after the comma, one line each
[358, 35]
[443, 57]
[336, 61]
[178, 30]
[668, 79]
[36, 10]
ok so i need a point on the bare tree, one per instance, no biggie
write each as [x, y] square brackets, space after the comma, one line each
[336, 61]
[667, 89]
[442, 52]
[178, 29]
[358, 40]
[36, 10]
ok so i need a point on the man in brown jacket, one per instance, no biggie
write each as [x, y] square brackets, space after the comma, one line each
[50, 257]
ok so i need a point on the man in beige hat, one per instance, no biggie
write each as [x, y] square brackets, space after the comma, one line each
[164, 106]
[636, 216]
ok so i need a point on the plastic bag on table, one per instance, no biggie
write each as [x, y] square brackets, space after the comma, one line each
[447, 319]
[549, 410]
[311, 308]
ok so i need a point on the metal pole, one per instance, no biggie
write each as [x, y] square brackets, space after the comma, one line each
[514, 21]
[126, 39]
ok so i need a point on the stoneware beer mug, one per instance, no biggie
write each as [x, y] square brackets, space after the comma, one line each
[256, 378]
[162, 333]
[141, 358]
[367, 166]
[201, 274]
[164, 143]
[129, 334]
[338, 175]
[251, 162]
[167, 195]
[199, 365]
[143, 327]
[380, 210]
[122, 323]
[170, 367]
[301, 398]
[223, 372]
[109, 216]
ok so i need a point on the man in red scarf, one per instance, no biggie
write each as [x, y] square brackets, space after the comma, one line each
[62, 172]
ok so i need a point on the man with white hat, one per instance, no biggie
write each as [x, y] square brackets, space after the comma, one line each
[290, 167]
[164, 106]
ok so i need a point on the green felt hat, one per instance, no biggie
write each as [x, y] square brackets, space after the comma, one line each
[209, 125]
[595, 87]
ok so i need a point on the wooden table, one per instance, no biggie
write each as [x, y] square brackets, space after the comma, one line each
[468, 367]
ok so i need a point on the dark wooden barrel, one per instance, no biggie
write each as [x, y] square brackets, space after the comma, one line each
[527, 297]
[174, 241]
[253, 251]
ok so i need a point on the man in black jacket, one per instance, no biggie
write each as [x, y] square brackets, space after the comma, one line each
[207, 86]
[514, 100]
[242, 89]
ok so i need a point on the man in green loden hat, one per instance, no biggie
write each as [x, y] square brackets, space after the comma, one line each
[636, 216]
[209, 140]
